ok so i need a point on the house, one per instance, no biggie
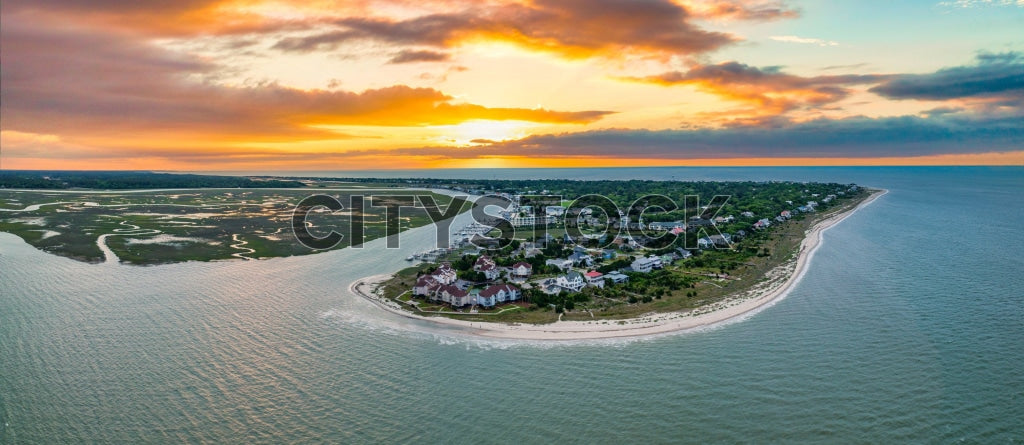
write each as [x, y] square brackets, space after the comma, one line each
[683, 253]
[786, 214]
[498, 294]
[704, 242]
[425, 286]
[608, 254]
[723, 240]
[572, 281]
[646, 264]
[454, 296]
[617, 277]
[528, 220]
[581, 259]
[487, 266]
[595, 278]
[667, 225]
[444, 274]
[747, 214]
[522, 270]
[762, 224]
[560, 263]
[740, 234]
[697, 221]
[554, 211]
[668, 259]
[724, 219]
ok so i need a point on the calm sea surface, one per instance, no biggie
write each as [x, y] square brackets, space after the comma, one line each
[908, 327]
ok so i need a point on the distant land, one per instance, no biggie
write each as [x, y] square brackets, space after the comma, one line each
[640, 247]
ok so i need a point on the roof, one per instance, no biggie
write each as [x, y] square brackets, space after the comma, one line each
[425, 280]
[454, 291]
[522, 264]
[594, 274]
[494, 290]
[573, 275]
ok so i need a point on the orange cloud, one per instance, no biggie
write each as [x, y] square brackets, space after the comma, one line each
[771, 91]
[87, 85]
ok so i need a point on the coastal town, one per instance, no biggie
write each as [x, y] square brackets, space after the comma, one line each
[564, 260]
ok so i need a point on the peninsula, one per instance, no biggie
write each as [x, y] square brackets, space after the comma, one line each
[564, 275]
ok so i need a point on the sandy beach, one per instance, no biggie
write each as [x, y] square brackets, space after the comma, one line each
[779, 281]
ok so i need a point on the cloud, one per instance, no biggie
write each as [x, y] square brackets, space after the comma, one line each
[978, 3]
[87, 83]
[804, 40]
[771, 90]
[411, 56]
[569, 28]
[855, 137]
[753, 10]
[993, 76]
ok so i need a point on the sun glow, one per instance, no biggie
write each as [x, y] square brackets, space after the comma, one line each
[480, 132]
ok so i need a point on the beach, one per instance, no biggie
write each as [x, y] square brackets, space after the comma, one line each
[779, 281]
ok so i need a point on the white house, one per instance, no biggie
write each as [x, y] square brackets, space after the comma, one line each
[561, 263]
[522, 270]
[704, 242]
[595, 278]
[571, 281]
[497, 294]
[425, 286]
[486, 265]
[646, 264]
[444, 274]
[454, 296]
[554, 211]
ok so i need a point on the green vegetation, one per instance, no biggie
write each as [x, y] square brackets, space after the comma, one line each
[708, 276]
[173, 226]
[119, 180]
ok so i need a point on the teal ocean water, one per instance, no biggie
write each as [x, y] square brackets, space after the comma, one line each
[907, 327]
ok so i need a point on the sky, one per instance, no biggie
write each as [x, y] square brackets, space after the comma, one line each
[406, 84]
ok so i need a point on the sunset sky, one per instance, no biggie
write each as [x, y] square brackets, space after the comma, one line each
[339, 85]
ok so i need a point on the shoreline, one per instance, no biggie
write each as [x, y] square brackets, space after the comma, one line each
[780, 280]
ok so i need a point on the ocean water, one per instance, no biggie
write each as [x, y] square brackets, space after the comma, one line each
[907, 327]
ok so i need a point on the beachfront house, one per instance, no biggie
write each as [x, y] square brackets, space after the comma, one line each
[425, 286]
[498, 294]
[595, 278]
[454, 296]
[572, 281]
[646, 264]
[444, 274]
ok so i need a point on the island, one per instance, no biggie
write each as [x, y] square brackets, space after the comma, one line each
[566, 276]
[541, 259]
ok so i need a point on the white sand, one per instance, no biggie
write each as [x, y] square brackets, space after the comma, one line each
[778, 283]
